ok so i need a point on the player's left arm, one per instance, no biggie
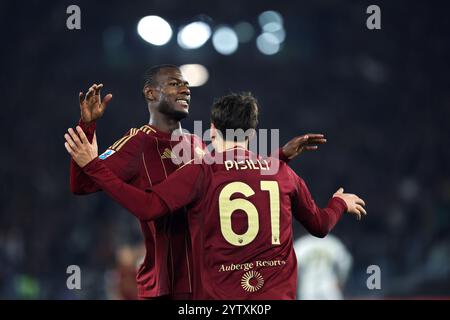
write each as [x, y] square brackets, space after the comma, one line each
[299, 144]
[320, 221]
[180, 189]
[295, 146]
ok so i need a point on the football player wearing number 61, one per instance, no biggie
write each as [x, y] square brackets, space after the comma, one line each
[239, 219]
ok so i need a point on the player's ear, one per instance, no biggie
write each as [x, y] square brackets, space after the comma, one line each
[212, 132]
[149, 93]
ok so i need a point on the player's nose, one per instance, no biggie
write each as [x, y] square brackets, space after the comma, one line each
[185, 90]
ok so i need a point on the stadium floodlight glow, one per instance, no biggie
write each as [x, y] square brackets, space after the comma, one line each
[194, 35]
[244, 31]
[225, 40]
[280, 35]
[276, 29]
[272, 27]
[268, 44]
[196, 74]
[268, 17]
[154, 30]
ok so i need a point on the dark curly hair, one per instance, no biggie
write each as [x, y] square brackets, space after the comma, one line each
[150, 74]
[235, 111]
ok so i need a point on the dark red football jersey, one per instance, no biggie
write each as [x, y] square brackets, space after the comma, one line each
[239, 219]
[143, 158]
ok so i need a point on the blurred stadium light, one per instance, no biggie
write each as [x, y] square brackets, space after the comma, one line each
[194, 35]
[154, 30]
[276, 29]
[268, 43]
[244, 31]
[196, 74]
[273, 33]
[225, 40]
[270, 17]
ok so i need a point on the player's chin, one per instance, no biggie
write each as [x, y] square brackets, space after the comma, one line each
[181, 113]
[181, 108]
[184, 108]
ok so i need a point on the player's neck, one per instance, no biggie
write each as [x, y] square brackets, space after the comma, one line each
[223, 145]
[163, 123]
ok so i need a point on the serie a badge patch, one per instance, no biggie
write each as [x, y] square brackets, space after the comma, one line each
[106, 154]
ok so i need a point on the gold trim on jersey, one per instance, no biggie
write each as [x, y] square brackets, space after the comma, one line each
[119, 145]
[147, 129]
[116, 146]
[146, 170]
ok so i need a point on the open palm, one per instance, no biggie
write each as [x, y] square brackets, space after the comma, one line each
[92, 107]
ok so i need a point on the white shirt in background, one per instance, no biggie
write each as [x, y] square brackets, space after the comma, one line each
[323, 267]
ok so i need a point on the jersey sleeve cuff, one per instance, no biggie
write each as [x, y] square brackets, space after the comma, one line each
[282, 156]
[89, 129]
[92, 165]
[279, 154]
[161, 196]
[337, 204]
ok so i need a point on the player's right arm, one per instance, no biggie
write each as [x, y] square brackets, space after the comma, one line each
[183, 187]
[120, 157]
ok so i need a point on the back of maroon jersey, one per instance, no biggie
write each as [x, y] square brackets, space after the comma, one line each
[242, 231]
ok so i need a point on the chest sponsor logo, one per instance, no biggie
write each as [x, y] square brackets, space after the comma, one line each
[252, 281]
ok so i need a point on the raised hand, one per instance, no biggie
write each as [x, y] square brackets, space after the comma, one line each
[354, 203]
[92, 107]
[78, 146]
[306, 142]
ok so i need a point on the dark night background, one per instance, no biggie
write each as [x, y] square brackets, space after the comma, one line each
[380, 96]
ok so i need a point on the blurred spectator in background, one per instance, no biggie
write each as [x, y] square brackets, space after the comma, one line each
[323, 267]
[121, 282]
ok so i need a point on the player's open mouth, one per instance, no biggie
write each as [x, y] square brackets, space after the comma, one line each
[183, 102]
